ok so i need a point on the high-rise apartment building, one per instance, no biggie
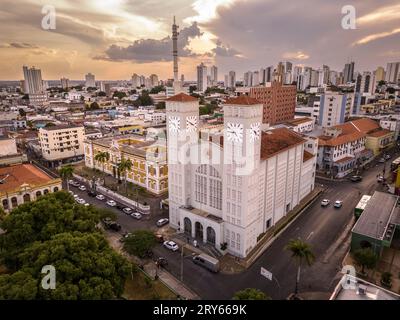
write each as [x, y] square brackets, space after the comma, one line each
[348, 72]
[279, 101]
[154, 80]
[64, 83]
[201, 77]
[392, 72]
[135, 81]
[90, 81]
[33, 80]
[214, 75]
[333, 108]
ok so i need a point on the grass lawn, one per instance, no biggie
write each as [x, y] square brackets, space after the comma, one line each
[140, 289]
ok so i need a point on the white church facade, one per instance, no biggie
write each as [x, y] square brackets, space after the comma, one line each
[229, 184]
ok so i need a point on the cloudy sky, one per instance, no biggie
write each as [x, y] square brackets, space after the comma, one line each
[115, 38]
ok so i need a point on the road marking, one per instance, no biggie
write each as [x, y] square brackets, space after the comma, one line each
[310, 235]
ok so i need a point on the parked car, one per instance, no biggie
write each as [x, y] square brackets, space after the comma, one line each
[87, 204]
[387, 157]
[80, 201]
[100, 197]
[356, 178]
[380, 178]
[73, 183]
[112, 225]
[207, 262]
[162, 222]
[325, 202]
[82, 188]
[76, 196]
[170, 245]
[381, 160]
[127, 210]
[338, 204]
[120, 206]
[136, 215]
[161, 262]
[91, 193]
[111, 203]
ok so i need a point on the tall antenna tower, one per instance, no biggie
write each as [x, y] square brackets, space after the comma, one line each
[175, 34]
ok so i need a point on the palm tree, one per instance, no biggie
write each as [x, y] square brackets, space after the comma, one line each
[301, 251]
[66, 173]
[124, 166]
[102, 157]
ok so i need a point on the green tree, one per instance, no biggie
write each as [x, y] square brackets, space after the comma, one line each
[22, 112]
[144, 99]
[120, 95]
[365, 258]
[124, 167]
[102, 94]
[102, 157]
[301, 252]
[49, 124]
[157, 89]
[54, 230]
[250, 294]
[139, 242]
[66, 173]
[94, 106]
[381, 83]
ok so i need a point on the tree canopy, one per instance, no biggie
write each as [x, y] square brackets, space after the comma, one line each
[250, 294]
[139, 242]
[366, 258]
[144, 99]
[56, 231]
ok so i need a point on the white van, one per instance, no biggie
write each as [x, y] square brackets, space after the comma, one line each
[207, 262]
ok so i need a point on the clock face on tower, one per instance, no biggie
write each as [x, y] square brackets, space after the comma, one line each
[235, 132]
[191, 123]
[255, 132]
[174, 124]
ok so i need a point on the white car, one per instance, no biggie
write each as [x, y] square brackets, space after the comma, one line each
[325, 202]
[82, 188]
[76, 196]
[127, 210]
[387, 157]
[80, 201]
[100, 197]
[171, 245]
[338, 204]
[111, 203]
[380, 178]
[87, 204]
[136, 215]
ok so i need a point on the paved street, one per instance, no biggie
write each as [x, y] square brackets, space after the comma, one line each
[321, 227]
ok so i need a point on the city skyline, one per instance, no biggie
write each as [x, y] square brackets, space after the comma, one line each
[103, 36]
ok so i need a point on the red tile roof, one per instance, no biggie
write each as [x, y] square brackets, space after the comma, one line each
[379, 133]
[15, 176]
[182, 97]
[342, 139]
[278, 140]
[243, 100]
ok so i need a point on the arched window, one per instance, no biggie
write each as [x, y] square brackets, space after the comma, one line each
[27, 197]
[14, 202]
[38, 194]
[46, 191]
[5, 204]
[55, 189]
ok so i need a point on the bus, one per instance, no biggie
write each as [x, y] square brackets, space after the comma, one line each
[361, 205]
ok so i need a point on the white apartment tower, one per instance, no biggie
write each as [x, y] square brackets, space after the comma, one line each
[90, 81]
[201, 78]
[392, 72]
[214, 75]
[33, 80]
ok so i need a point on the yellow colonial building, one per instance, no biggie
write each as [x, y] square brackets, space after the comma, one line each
[380, 140]
[148, 156]
[24, 182]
